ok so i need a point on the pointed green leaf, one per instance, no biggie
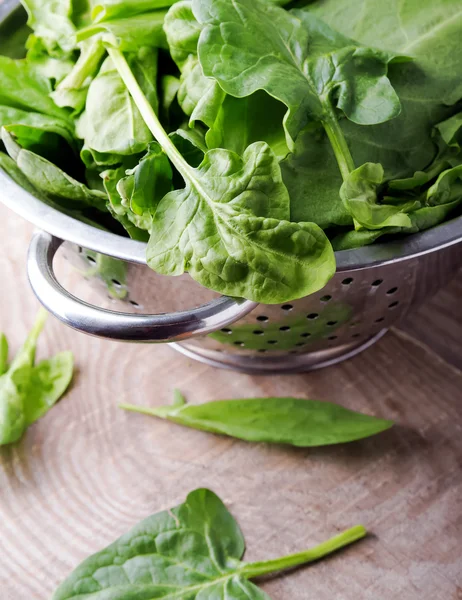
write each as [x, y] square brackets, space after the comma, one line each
[276, 420]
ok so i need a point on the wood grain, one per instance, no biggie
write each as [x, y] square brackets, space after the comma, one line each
[87, 472]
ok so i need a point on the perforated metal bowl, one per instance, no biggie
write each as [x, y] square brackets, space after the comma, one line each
[373, 288]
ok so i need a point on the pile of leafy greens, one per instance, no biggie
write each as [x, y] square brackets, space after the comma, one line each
[243, 141]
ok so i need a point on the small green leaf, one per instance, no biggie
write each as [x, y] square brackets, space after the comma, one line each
[27, 391]
[447, 188]
[129, 34]
[144, 186]
[290, 421]
[48, 382]
[359, 194]
[190, 552]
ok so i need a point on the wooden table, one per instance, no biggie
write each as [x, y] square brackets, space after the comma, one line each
[88, 471]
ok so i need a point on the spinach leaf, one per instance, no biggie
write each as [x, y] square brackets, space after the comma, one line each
[229, 227]
[22, 124]
[420, 220]
[111, 123]
[28, 391]
[246, 46]
[191, 144]
[144, 186]
[114, 9]
[133, 225]
[72, 90]
[429, 31]
[291, 421]
[451, 131]
[313, 180]
[192, 551]
[129, 34]
[234, 123]
[51, 180]
[447, 188]
[52, 23]
[359, 194]
[22, 87]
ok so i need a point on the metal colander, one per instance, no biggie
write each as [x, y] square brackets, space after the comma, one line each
[373, 288]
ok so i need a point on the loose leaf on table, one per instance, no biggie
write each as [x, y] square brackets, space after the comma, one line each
[291, 421]
[229, 227]
[27, 390]
[192, 551]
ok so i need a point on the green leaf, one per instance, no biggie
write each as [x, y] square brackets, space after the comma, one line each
[359, 194]
[73, 89]
[234, 123]
[297, 59]
[447, 188]
[313, 180]
[293, 421]
[421, 219]
[121, 212]
[22, 87]
[47, 383]
[191, 145]
[129, 34]
[429, 31]
[229, 228]
[22, 124]
[28, 391]
[451, 131]
[3, 354]
[111, 122]
[51, 180]
[52, 23]
[144, 186]
[114, 9]
[192, 551]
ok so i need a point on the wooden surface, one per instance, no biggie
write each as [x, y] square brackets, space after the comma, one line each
[87, 472]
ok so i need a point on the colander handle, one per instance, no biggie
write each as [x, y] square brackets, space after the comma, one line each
[169, 327]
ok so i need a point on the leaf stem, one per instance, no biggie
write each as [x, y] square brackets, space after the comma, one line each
[147, 112]
[339, 145]
[293, 560]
